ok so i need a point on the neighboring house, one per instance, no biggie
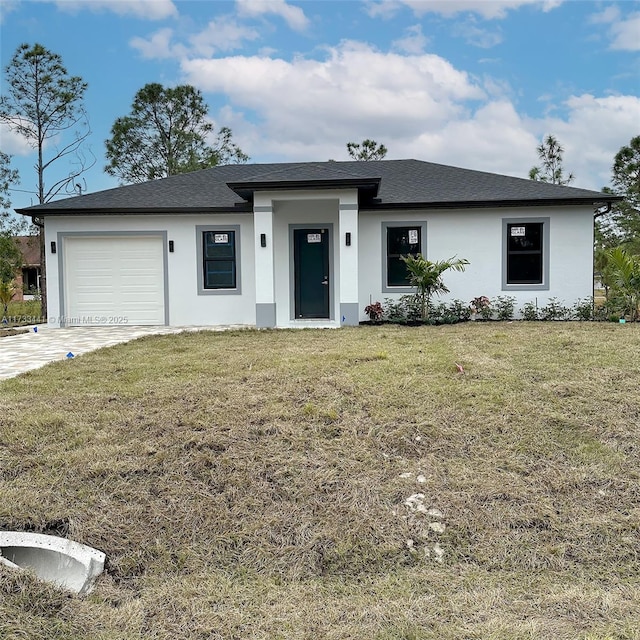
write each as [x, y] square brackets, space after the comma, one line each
[28, 277]
[308, 244]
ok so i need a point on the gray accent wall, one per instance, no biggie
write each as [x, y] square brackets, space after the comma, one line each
[349, 314]
[265, 315]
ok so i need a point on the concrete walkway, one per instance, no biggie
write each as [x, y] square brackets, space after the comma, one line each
[34, 349]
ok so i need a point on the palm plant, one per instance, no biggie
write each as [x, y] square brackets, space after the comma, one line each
[426, 276]
[624, 270]
[7, 291]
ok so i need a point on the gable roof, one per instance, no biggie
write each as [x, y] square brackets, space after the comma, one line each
[383, 184]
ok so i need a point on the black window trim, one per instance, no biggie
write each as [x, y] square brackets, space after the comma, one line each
[419, 224]
[541, 286]
[227, 228]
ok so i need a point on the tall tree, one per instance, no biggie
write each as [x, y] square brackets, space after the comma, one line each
[626, 182]
[366, 150]
[551, 170]
[44, 104]
[10, 255]
[165, 134]
[8, 176]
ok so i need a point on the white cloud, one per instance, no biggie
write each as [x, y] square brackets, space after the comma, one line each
[610, 14]
[477, 36]
[355, 87]
[158, 46]
[147, 9]
[626, 33]
[488, 9]
[413, 42]
[224, 34]
[293, 16]
[7, 7]
[419, 106]
[13, 143]
[592, 133]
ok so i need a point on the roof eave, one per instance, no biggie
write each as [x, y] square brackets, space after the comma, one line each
[484, 204]
[240, 207]
[246, 189]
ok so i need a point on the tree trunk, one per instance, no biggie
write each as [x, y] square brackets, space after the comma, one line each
[43, 269]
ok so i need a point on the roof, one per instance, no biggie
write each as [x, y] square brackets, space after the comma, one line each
[383, 184]
[30, 249]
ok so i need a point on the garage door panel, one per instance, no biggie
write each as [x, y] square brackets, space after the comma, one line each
[112, 280]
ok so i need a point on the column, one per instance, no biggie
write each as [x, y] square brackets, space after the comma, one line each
[348, 225]
[265, 276]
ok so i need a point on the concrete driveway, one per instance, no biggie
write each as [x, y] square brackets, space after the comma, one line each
[34, 349]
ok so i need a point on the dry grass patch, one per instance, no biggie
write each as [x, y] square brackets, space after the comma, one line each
[335, 484]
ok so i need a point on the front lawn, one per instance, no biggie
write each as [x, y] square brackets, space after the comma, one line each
[339, 484]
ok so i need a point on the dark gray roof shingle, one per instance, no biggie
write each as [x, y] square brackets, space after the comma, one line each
[402, 183]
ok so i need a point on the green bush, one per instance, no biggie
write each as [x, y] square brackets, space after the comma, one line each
[529, 311]
[555, 310]
[504, 307]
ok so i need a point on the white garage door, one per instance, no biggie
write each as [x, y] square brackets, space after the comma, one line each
[114, 280]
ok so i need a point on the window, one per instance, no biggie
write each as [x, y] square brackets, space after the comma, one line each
[526, 254]
[400, 240]
[218, 259]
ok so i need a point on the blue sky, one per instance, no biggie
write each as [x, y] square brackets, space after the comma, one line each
[472, 83]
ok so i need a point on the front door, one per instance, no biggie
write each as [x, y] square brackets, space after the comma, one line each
[311, 272]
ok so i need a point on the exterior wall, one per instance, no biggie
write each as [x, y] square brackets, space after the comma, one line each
[185, 306]
[477, 236]
[336, 209]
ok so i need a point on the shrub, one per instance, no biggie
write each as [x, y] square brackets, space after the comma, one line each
[529, 311]
[374, 311]
[554, 310]
[405, 309]
[460, 310]
[583, 309]
[504, 307]
[482, 306]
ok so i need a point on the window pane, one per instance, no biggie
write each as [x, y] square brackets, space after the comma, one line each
[220, 274]
[525, 236]
[403, 240]
[524, 268]
[397, 275]
[219, 244]
[219, 259]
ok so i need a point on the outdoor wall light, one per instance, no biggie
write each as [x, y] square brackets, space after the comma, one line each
[170, 246]
[263, 239]
[53, 246]
[347, 238]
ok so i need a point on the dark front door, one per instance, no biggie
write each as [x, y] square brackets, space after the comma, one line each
[311, 272]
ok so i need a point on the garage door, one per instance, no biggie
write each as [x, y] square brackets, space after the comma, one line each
[114, 280]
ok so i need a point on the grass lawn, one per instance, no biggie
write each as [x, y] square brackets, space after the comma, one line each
[19, 313]
[338, 484]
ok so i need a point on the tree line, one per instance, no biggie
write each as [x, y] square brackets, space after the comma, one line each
[168, 132]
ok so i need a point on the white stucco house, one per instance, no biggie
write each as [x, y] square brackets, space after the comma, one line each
[308, 244]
